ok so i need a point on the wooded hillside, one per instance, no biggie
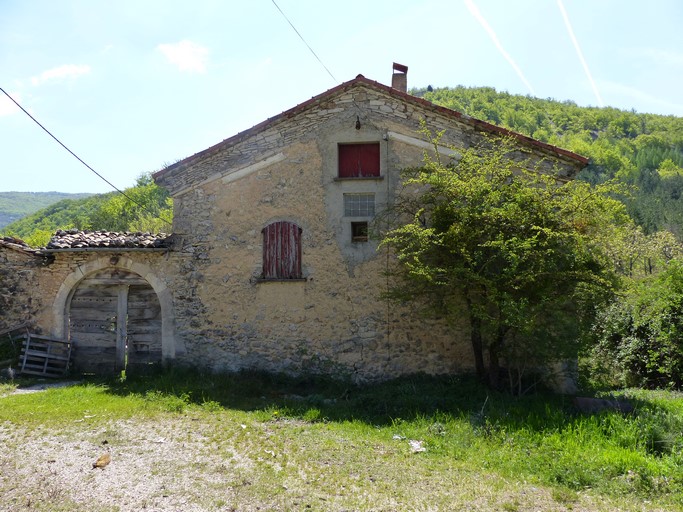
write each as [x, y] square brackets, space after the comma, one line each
[15, 205]
[144, 207]
[641, 150]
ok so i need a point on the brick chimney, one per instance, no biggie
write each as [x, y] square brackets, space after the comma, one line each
[399, 80]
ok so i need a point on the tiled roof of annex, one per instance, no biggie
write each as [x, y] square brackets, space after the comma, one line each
[73, 239]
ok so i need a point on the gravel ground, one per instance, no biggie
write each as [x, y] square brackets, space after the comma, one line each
[153, 467]
[175, 466]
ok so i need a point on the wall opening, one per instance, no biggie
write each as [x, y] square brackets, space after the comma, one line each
[114, 323]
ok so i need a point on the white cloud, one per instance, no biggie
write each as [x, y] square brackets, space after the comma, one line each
[186, 56]
[61, 73]
[7, 106]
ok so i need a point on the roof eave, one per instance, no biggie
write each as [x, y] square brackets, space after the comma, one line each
[19, 248]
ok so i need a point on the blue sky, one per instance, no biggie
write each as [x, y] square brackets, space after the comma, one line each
[132, 85]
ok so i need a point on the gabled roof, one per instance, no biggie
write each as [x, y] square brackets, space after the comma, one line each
[361, 80]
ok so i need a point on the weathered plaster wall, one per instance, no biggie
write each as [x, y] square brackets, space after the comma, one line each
[335, 321]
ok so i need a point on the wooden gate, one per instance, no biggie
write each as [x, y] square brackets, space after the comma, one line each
[114, 323]
[144, 328]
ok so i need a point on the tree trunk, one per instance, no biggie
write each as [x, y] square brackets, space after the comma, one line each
[494, 360]
[494, 368]
[477, 347]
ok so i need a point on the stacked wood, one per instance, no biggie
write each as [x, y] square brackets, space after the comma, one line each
[75, 239]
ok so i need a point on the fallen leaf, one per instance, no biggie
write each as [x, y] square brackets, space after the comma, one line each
[102, 461]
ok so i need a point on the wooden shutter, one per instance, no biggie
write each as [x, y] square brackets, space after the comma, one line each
[358, 160]
[282, 251]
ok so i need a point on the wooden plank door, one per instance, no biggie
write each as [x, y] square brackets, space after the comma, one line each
[93, 328]
[114, 323]
[143, 328]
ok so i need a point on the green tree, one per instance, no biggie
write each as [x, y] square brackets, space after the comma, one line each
[668, 169]
[144, 207]
[640, 335]
[621, 144]
[637, 255]
[519, 253]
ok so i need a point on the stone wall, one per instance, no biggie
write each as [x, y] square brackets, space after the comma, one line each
[35, 287]
[19, 267]
[336, 320]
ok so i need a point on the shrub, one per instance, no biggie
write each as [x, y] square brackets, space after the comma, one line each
[640, 336]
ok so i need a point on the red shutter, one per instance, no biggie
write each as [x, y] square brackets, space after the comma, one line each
[358, 160]
[282, 251]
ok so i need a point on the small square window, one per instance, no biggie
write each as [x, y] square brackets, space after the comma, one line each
[359, 231]
[359, 205]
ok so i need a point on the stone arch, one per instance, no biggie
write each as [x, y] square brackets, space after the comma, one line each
[169, 347]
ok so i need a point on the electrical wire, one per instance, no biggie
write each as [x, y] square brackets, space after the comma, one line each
[302, 38]
[80, 160]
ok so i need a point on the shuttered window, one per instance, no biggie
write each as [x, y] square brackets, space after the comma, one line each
[282, 251]
[359, 160]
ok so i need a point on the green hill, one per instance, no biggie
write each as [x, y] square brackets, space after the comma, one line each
[15, 205]
[144, 207]
[641, 150]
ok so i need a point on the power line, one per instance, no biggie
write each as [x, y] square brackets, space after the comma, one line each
[80, 160]
[302, 38]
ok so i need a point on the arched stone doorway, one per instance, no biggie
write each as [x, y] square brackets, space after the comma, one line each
[114, 322]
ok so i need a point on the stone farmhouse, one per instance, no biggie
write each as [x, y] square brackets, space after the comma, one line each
[271, 264]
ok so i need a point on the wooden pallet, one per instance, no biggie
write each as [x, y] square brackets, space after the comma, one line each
[44, 356]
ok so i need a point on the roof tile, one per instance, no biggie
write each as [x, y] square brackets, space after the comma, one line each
[75, 239]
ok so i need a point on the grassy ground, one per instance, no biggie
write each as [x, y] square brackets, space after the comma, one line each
[254, 441]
